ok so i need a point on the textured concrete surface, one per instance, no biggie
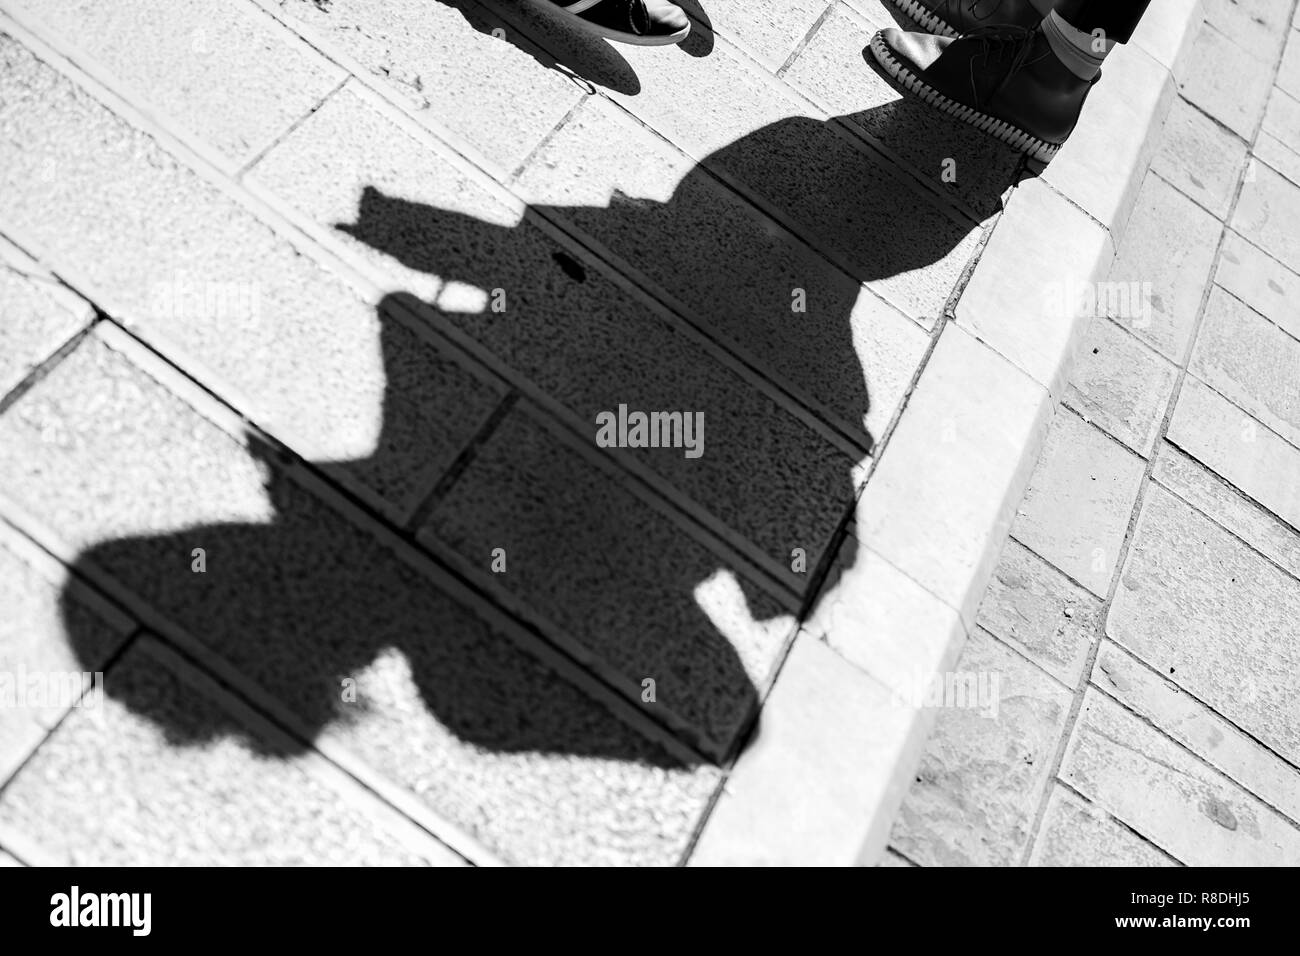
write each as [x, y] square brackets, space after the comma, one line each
[1257, 279]
[1077, 833]
[120, 793]
[41, 317]
[1187, 584]
[1232, 83]
[33, 644]
[1200, 157]
[360, 276]
[1042, 613]
[226, 71]
[1195, 814]
[211, 286]
[1121, 386]
[1076, 510]
[626, 584]
[977, 788]
[582, 340]
[1166, 254]
[1175, 650]
[298, 600]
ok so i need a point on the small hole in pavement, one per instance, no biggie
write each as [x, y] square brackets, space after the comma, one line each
[571, 266]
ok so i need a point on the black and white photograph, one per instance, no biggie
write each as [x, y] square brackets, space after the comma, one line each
[650, 433]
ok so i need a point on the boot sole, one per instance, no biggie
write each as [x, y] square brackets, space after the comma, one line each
[588, 27]
[999, 129]
[927, 20]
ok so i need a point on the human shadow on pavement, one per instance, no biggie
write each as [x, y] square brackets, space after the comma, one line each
[303, 602]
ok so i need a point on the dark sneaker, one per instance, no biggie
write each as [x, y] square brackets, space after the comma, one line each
[643, 22]
[954, 18]
[1003, 80]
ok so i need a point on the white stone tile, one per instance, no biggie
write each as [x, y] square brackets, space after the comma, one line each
[1214, 617]
[1168, 796]
[1121, 385]
[1079, 501]
[1197, 728]
[1078, 833]
[1231, 443]
[1260, 281]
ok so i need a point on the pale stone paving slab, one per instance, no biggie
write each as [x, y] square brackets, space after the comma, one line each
[211, 286]
[1164, 793]
[769, 29]
[1259, 280]
[1278, 143]
[1282, 121]
[1076, 833]
[1121, 385]
[1035, 608]
[1288, 72]
[118, 792]
[443, 62]
[1211, 494]
[38, 315]
[1257, 25]
[1266, 214]
[1200, 157]
[1215, 617]
[1269, 149]
[1204, 733]
[1251, 362]
[986, 764]
[1231, 83]
[224, 71]
[1167, 256]
[295, 598]
[1232, 444]
[1076, 510]
[33, 643]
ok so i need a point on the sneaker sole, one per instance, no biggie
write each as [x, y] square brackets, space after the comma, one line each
[631, 38]
[999, 129]
[927, 20]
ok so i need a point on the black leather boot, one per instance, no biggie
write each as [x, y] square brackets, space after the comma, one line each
[1004, 80]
